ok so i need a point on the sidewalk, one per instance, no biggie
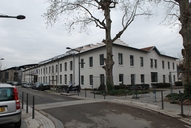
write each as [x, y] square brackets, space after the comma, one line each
[40, 120]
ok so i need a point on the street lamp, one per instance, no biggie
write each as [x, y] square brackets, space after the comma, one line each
[78, 60]
[19, 17]
[0, 70]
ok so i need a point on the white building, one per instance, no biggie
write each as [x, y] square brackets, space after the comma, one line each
[132, 66]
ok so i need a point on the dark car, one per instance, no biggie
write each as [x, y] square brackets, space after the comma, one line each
[36, 85]
[44, 86]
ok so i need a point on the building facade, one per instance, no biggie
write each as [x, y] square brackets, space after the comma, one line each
[132, 66]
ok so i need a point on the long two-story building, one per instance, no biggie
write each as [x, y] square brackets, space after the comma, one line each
[84, 64]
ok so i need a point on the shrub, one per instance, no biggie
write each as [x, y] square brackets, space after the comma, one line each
[178, 83]
[101, 87]
[160, 85]
[187, 90]
[173, 96]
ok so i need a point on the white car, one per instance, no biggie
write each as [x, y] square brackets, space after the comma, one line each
[10, 110]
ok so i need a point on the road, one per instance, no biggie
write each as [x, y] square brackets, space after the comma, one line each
[90, 113]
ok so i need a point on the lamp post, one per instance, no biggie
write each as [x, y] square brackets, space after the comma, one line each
[78, 60]
[0, 70]
[19, 17]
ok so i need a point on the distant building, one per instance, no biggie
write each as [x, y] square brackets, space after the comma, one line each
[132, 66]
[13, 74]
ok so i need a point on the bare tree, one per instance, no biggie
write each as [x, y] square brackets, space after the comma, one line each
[181, 10]
[85, 12]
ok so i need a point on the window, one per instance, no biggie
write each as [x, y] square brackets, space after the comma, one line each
[154, 76]
[82, 80]
[151, 63]
[71, 65]
[163, 64]
[6, 94]
[142, 79]
[60, 79]
[65, 66]
[71, 78]
[168, 65]
[120, 79]
[132, 79]
[101, 59]
[102, 79]
[82, 63]
[141, 61]
[52, 69]
[65, 79]
[91, 61]
[173, 65]
[56, 68]
[91, 79]
[164, 80]
[120, 58]
[46, 70]
[131, 60]
[155, 63]
[60, 67]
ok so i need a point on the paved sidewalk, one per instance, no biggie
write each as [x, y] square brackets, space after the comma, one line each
[41, 120]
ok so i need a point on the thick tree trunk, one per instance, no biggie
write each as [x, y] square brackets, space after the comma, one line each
[185, 19]
[109, 53]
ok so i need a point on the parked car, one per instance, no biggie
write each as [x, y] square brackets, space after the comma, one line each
[23, 83]
[36, 85]
[10, 110]
[29, 85]
[44, 86]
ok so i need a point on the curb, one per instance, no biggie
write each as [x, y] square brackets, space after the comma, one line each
[40, 120]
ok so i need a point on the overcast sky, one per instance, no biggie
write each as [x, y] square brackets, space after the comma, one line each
[31, 40]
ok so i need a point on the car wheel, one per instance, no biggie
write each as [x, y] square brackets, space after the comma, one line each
[18, 124]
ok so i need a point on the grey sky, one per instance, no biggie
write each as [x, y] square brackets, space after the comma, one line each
[31, 41]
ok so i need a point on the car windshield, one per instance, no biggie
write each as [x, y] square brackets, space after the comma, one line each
[46, 84]
[6, 94]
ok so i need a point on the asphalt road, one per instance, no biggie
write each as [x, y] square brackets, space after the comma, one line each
[111, 115]
[100, 114]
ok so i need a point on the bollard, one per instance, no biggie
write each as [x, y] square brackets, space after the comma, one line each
[22, 99]
[27, 104]
[154, 91]
[181, 103]
[33, 107]
[85, 92]
[162, 99]
[94, 93]
[104, 94]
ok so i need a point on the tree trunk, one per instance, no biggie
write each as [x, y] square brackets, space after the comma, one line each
[109, 53]
[185, 19]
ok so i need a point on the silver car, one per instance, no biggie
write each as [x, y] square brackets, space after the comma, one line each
[10, 110]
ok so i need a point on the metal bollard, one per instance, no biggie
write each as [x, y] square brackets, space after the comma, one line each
[181, 103]
[85, 92]
[33, 107]
[104, 94]
[162, 99]
[94, 93]
[27, 104]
